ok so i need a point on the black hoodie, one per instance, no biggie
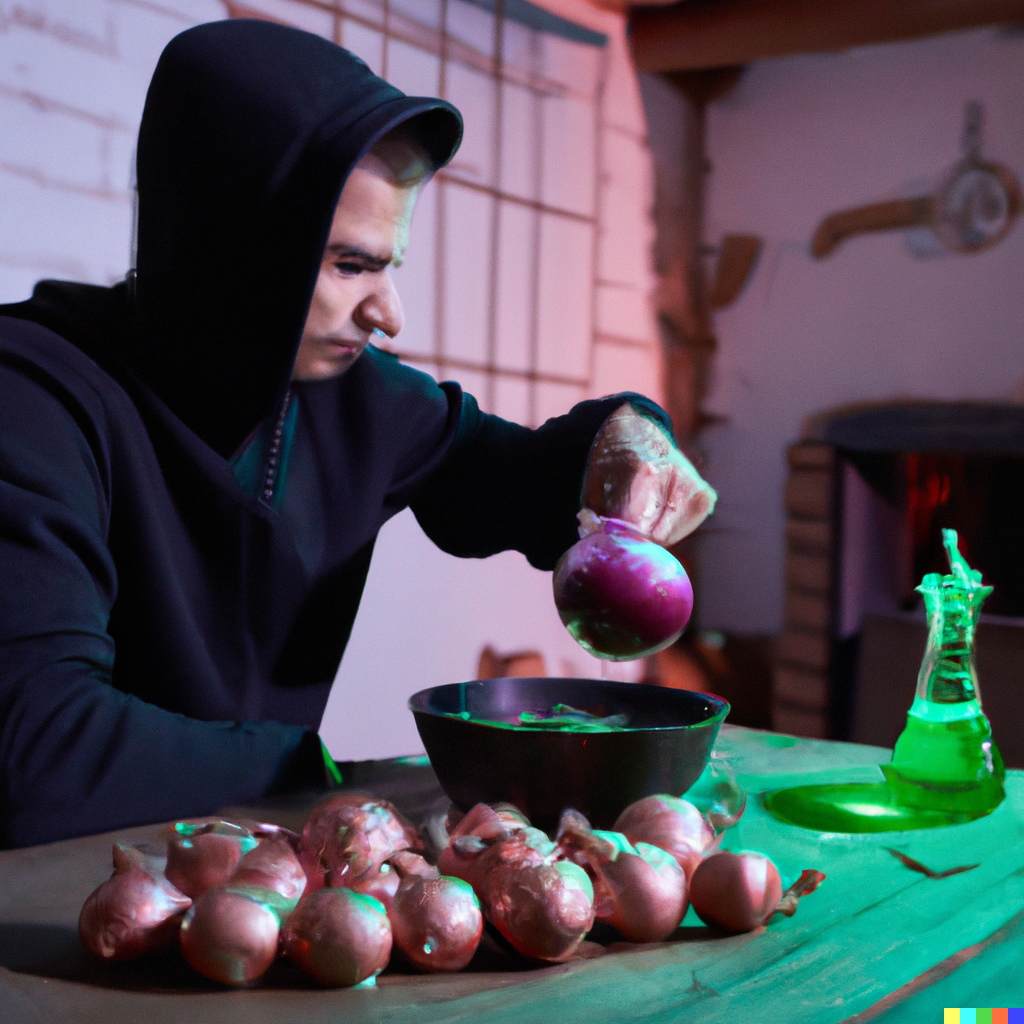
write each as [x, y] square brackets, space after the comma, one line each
[167, 638]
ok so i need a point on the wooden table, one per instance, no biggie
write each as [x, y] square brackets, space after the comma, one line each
[878, 941]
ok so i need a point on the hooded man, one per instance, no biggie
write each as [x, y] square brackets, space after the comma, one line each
[194, 464]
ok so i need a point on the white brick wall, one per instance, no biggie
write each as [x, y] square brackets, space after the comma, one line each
[73, 78]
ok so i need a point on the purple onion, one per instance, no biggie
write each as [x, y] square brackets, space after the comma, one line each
[620, 595]
[230, 935]
[135, 910]
[338, 936]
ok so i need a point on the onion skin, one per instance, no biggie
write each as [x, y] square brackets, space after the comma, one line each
[671, 823]
[437, 922]
[541, 904]
[349, 836]
[544, 910]
[640, 890]
[230, 935]
[486, 822]
[382, 886]
[736, 892]
[408, 863]
[271, 865]
[339, 937]
[620, 595]
[200, 857]
[136, 910]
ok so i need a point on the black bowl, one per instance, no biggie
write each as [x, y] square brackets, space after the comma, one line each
[663, 749]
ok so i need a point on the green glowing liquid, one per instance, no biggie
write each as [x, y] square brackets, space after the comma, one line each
[562, 719]
[947, 764]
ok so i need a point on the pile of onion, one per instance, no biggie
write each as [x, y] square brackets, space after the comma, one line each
[338, 899]
[619, 594]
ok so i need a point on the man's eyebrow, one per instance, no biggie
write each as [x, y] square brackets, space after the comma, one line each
[354, 252]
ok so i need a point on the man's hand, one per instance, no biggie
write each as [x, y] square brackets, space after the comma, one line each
[637, 474]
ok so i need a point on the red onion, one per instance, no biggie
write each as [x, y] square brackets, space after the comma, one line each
[671, 823]
[640, 890]
[381, 885]
[544, 910]
[135, 910]
[436, 921]
[265, 830]
[408, 863]
[349, 836]
[486, 822]
[272, 865]
[338, 936]
[201, 856]
[230, 935]
[541, 904]
[736, 892]
[620, 595]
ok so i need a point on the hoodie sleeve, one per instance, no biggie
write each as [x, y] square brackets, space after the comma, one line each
[503, 486]
[78, 755]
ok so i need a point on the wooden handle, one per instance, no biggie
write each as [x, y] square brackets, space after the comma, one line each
[899, 213]
[736, 258]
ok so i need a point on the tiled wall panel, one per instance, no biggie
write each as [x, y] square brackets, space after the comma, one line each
[619, 367]
[365, 42]
[309, 17]
[426, 12]
[471, 25]
[473, 93]
[565, 334]
[520, 167]
[512, 399]
[517, 226]
[553, 399]
[467, 256]
[415, 71]
[623, 311]
[568, 166]
[626, 201]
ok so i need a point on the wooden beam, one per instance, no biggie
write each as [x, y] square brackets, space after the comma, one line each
[712, 33]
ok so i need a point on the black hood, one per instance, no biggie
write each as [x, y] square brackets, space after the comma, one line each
[249, 132]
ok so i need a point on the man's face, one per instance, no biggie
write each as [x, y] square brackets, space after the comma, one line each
[354, 292]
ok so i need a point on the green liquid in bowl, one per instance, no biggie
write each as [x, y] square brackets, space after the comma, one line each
[561, 718]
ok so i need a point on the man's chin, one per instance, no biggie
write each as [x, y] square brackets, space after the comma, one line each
[326, 367]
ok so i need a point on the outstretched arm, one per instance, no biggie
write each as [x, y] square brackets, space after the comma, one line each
[503, 486]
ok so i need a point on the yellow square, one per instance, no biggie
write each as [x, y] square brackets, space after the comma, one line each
[951, 1015]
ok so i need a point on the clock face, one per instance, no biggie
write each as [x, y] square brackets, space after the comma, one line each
[974, 209]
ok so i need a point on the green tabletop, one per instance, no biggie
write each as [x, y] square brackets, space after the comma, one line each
[878, 940]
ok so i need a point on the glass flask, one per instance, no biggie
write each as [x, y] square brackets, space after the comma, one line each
[945, 769]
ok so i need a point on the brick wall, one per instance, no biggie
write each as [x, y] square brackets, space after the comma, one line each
[73, 78]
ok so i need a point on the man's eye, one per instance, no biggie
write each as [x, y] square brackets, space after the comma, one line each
[349, 268]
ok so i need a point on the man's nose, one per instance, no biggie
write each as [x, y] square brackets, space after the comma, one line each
[381, 309]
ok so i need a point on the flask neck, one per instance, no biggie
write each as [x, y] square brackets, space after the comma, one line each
[947, 673]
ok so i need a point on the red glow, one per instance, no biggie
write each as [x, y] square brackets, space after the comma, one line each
[927, 488]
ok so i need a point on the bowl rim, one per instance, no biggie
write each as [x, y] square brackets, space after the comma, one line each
[718, 718]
